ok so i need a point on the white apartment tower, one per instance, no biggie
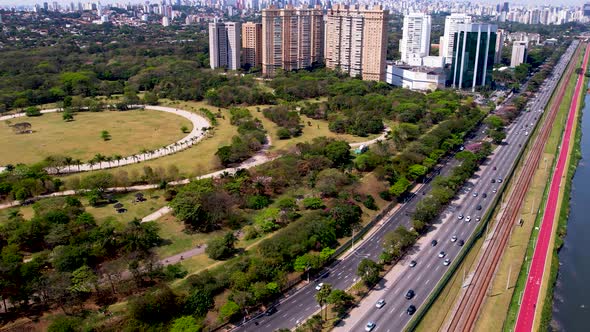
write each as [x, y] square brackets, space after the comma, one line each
[356, 41]
[452, 23]
[225, 45]
[415, 42]
[519, 49]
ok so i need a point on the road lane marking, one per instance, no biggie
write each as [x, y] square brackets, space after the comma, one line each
[392, 310]
[427, 281]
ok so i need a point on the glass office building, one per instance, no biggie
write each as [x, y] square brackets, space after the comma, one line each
[473, 56]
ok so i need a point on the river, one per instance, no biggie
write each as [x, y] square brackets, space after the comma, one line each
[571, 305]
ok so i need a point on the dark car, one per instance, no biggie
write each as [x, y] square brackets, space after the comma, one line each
[433, 243]
[460, 243]
[493, 180]
[478, 207]
[494, 168]
[410, 294]
[270, 311]
[411, 310]
[484, 195]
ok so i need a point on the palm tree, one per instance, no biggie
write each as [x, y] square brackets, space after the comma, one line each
[322, 296]
[118, 158]
[91, 163]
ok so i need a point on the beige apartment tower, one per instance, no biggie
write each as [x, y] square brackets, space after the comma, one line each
[252, 44]
[356, 41]
[292, 38]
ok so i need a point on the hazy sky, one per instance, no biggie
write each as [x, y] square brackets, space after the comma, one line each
[526, 2]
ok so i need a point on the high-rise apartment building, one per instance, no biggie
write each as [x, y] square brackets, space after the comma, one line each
[473, 58]
[415, 42]
[224, 45]
[252, 44]
[356, 41]
[292, 38]
[519, 49]
[452, 23]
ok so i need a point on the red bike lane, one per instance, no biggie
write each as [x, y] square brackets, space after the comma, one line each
[526, 314]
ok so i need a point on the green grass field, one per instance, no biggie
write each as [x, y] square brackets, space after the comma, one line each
[81, 139]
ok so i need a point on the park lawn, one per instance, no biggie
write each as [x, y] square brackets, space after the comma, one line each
[176, 240]
[196, 264]
[102, 213]
[199, 159]
[318, 128]
[130, 132]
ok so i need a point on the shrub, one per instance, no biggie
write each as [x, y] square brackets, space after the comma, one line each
[313, 203]
[369, 203]
[33, 111]
[283, 133]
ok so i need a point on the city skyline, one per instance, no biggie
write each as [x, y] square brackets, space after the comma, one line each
[520, 2]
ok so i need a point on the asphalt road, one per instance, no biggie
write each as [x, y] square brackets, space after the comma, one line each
[341, 274]
[429, 269]
[297, 307]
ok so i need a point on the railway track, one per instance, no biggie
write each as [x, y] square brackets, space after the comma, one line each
[469, 305]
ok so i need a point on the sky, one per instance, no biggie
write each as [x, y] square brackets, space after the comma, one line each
[524, 2]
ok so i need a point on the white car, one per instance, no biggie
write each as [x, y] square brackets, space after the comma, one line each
[474, 194]
[441, 254]
[468, 219]
[494, 190]
[477, 218]
[319, 286]
[453, 238]
[380, 303]
[447, 262]
[370, 326]
[460, 217]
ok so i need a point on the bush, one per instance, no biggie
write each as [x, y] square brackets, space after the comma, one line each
[258, 202]
[283, 133]
[386, 195]
[369, 203]
[185, 324]
[313, 203]
[222, 247]
[33, 111]
[229, 311]
[65, 324]
[156, 306]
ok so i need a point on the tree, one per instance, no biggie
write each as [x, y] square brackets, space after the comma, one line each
[33, 111]
[494, 122]
[338, 152]
[198, 302]
[150, 98]
[368, 270]
[399, 187]
[345, 216]
[322, 296]
[313, 203]
[220, 248]
[105, 135]
[416, 171]
[283, 133]
[68, 116]
[340, 300]
[497, 136]
[228, 311]
[156, 306]
[84, 280]
[184, 129]
[185, 324]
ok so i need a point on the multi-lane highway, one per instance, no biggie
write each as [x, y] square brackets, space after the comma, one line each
[470, 204]
[299, 306]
